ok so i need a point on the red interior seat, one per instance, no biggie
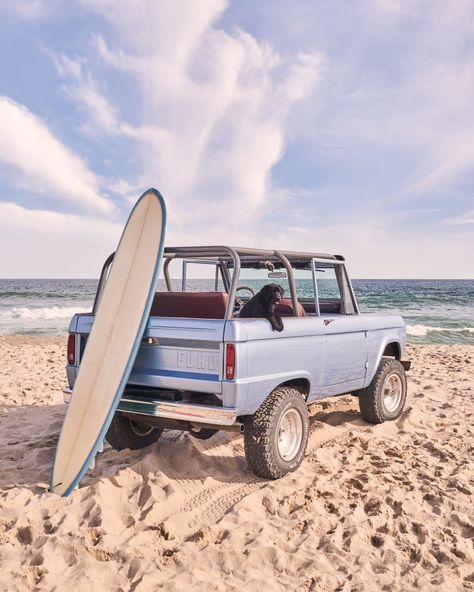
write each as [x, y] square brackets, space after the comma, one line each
[194, 305]
[285, 308]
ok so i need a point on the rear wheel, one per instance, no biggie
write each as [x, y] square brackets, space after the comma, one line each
[128, 433]
[276, 436]
[384, 399]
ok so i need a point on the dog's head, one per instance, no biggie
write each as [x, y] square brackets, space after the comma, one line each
[271, 294]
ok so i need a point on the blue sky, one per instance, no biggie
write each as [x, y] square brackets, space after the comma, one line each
[337, 126]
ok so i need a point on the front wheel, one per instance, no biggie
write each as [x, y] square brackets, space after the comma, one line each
[276, 436]
[124, 433]
[384, 399]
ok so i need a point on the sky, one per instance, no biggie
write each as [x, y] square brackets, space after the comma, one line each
[335, 127]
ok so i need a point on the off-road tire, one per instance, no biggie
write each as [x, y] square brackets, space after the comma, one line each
[371, 399]
[262, 431]
[126, 433]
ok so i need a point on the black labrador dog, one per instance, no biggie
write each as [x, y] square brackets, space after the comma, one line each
[263, 305]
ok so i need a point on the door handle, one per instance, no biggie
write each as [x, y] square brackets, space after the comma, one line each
[327, 321]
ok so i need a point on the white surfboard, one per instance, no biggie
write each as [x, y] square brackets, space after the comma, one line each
[113, 343]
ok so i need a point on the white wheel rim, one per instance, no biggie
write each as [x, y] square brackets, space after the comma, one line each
[140, 429]
[392, 392]
[290, 434]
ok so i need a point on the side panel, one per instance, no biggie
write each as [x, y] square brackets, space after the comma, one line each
[266, 359]
[188, 354]
[346, 352]
[380, 331]
[378, 340]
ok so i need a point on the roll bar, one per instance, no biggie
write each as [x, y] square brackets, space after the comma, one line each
[221, 254]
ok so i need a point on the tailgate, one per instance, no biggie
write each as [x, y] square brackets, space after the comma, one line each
[177, 353]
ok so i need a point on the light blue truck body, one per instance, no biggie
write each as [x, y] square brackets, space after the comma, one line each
[321, 354]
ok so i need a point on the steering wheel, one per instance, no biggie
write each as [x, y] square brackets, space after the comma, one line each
[238, 301]
[251, 290]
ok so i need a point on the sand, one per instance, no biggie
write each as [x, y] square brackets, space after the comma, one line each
[372, 508]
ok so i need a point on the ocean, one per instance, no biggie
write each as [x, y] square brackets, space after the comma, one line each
[435, 311]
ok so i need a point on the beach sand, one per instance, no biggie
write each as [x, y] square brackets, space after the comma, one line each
[386, 507]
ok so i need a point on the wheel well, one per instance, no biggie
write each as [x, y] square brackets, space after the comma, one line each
[392, 350]
[301, 384]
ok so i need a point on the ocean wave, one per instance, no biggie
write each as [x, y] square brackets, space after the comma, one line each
[50, 312]
[422, 330]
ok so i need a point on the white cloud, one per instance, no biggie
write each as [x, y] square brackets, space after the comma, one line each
[212, 125]
[51, 244]
[216, 108]
[394, 8]
[413, 102]
[65, 66]
[170, 28]
[367, 242]
[215, 105]
[47, 166]
[438, 122]
[101, 111]
[466, 218]
[41, 222]
[372, 250]
[127, 190]
[82, 88]
[28, 9]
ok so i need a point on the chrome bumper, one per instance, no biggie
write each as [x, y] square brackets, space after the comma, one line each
[224, 416]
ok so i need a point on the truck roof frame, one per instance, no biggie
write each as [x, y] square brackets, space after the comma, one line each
[235, 257]
[226, 251]
[239, 255]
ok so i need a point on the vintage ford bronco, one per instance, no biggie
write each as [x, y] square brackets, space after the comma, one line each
[201, 369]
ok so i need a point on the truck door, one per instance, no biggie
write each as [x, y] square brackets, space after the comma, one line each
[345, 334]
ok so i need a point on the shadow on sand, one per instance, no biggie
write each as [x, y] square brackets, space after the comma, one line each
[30, 434]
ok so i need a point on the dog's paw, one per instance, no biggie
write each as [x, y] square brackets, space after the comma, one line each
[279, 323]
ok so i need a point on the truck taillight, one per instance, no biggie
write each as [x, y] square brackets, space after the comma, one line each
[71, 349]
[230, 361]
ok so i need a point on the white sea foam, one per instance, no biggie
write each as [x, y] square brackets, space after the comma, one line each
[422, 330]
[50, 312]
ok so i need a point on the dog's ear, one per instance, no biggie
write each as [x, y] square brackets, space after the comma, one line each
[282, 291]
